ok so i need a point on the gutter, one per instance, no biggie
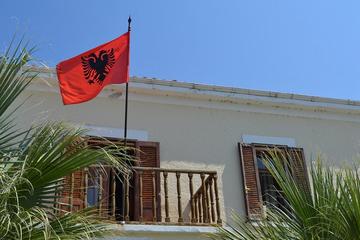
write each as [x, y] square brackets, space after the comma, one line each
[46, 81]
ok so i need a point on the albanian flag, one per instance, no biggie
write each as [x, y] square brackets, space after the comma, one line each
[81, 78]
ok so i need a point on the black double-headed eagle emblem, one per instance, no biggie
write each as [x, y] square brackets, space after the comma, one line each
[96, 67]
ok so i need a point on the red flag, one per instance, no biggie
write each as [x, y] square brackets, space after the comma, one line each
[81, 78]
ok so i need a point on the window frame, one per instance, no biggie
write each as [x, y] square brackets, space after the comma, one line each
[254, 205]
[104, 193]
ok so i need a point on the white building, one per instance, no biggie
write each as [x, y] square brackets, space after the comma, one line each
[182, 127]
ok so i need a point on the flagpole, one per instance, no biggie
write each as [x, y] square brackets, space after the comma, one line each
[127, 92]
[125, 207]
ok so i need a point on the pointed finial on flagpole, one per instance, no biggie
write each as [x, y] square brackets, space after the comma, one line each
[129, 23]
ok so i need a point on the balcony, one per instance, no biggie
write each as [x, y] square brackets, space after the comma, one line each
[146, 196]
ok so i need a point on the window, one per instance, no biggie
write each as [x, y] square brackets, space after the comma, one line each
[95, 186]
[270, 190]
[260, 188]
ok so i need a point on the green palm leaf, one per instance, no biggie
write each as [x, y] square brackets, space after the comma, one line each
[331, 210]
[34, 162]
[13, 80]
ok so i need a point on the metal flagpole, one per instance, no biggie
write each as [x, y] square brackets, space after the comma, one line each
[127, 91]
[125, 207]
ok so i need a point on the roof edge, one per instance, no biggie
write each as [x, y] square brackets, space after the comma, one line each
[221, 89]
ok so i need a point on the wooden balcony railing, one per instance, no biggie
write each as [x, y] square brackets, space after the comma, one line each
[202, 197]
[148, 195]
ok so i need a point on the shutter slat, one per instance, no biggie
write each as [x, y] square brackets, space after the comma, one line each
[253, 201]
[77, 192]
[149, 157]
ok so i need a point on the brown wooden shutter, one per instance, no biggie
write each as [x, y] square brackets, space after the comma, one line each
[298, 167]
[72, 193]
[250, 176]
[74, 190]
[149, 156]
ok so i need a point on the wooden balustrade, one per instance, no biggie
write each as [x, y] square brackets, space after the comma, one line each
[113, 193]
[202, 207]
[141, 207]
[167, 218]
[85, 184]
[198, 196]
[126, 197]
[208, 210]
[190, 197]
[192, 205]
[71, 202]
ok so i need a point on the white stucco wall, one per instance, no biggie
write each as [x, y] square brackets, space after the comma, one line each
[203, 133]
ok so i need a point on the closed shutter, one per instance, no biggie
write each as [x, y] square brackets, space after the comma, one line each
[149, 156]
[298, 167]
[250, 177]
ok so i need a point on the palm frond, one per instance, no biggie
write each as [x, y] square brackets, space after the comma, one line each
[32, 178]
[13, 80]
[52, 154]
[331, 210]
[34, 162]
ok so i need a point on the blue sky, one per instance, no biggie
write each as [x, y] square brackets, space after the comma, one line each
[306, 47]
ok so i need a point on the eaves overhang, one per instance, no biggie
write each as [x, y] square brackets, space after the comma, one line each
[47, 81]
